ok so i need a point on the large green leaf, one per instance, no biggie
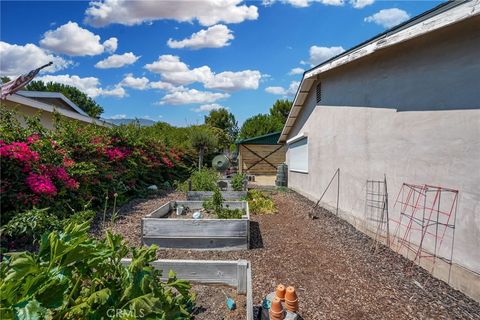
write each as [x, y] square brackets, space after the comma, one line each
[30, 310]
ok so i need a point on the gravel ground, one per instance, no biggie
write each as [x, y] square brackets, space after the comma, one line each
[211, 303]
[336, 274]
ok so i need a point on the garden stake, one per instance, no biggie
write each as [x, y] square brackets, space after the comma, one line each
[230, 303]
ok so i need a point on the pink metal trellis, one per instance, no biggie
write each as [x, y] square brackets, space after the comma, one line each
[426, 214]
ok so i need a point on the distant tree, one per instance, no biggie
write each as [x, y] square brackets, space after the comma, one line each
[281, 109]
[202, 139]
[224, 120]
[83, 101]
[259, 125]
[5, 79]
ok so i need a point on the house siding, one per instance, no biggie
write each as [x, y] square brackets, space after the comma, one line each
[433, 138]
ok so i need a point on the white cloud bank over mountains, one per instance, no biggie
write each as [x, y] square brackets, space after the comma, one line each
[73, 40]
[217, 36]
[206, 12]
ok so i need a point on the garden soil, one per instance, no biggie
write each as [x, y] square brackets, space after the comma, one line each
[331, 264]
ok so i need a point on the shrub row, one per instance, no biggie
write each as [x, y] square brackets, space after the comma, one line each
[76, 166]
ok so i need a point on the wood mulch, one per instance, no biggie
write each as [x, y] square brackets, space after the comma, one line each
[330, 263]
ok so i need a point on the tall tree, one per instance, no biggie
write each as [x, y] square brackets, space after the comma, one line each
[224, 120]
[83, 101]
[281, 109]
[259, 125]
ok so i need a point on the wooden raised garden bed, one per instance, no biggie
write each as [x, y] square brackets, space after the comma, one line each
[227, 195]
[167, 230]
[235, 274]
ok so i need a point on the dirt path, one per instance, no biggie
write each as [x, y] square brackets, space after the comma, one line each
[330, 263]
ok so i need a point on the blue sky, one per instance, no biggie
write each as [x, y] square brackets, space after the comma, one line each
[173, 61]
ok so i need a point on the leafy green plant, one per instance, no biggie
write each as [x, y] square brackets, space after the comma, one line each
[202, 180]
[260, 203]
[226, 213]
[30, 224]
[238, 181]
[215, 204]
[74, 276]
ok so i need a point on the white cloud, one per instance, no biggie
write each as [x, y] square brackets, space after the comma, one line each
[118, 116]
[295, 71]
[359, 4]
[17, 59]
[73, 40]
[117, 61]
[135, 83]
[118, 92]
[216, 36]
[88, 85]
[321, 54]
[207, 12]
[388, 18]
[290, 91]
[165, 86]
[174, 71]
[305, 3]
[111, 45]
[209, 107]
[231, 81]
[190, 96]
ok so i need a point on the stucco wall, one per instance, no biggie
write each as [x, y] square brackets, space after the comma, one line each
[433, 138]
[46, 118]
[437, 71]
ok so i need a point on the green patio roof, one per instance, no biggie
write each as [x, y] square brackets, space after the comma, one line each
[269, 138]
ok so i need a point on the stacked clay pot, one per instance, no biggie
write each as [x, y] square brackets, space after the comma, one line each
[291, 299]
[280, 292]
[276, 310]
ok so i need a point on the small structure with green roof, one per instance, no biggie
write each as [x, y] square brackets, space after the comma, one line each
[260, 155]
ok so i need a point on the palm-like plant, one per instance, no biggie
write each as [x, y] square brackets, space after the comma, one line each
[202, 140]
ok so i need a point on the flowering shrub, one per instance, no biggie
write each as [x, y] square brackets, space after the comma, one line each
[77, 164]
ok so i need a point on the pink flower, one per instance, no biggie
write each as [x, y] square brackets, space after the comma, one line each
[19, 151]
[41, 184]
[167, 162]
[71, 184]
[115, 154]
[67, 162]
[33, 138]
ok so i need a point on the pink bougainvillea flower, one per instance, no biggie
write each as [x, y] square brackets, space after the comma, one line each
[71, 184]
[19, 151]
[33, 138]
[41, 184]
[67, 162]
[167, 162]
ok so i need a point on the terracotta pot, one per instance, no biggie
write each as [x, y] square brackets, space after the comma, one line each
[291, 299]
[280, 292]
[276, 310]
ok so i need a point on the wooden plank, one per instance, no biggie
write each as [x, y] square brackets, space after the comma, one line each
[210, 243]
[249, 292]
[194, 228]
[236, 274]
[242, 267]
[205, 195]
[201, 271]
[162, 211]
